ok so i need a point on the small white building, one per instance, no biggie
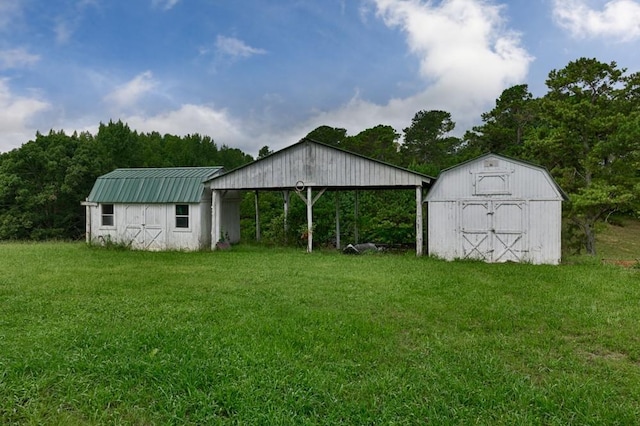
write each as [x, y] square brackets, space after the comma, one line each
[159, 209]
[495, 209]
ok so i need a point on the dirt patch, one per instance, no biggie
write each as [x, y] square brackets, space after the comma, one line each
[623, 263]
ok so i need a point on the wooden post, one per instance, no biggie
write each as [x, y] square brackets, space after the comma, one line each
[419, 228]
[286, 196]
[309, 220]
[310, 201]
[355, 219]
[216, 218]
[337, 220]
[88, 219]
[257, 203]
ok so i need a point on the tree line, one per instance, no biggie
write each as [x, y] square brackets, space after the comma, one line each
[43, 182]
[585, 130]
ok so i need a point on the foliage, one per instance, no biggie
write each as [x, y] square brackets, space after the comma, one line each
[43, 182]
[276, 336]
[426, 140]
[505, 126]
[589, 139]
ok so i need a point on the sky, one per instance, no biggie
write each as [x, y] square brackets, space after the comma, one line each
[250, 73]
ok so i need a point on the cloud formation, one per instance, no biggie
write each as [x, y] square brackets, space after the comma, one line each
[467, 58]
[17, 58]
[618, 19]
[165, 4]
[235, 48]
[17, 114]
[128, 94]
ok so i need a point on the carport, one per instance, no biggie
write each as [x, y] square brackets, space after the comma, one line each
[309, 169]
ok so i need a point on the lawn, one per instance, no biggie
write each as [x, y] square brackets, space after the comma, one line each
[277, 336]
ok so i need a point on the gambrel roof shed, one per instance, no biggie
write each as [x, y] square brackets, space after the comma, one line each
[310, 165]
[496, 209]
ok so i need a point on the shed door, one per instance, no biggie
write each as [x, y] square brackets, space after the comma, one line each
[508, 231]
[493, 230]
[476, 223]
[144, 226]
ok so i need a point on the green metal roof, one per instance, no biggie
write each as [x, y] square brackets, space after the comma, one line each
[152, 185]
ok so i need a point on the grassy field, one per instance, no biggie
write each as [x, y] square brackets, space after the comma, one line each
[277, 336]
[619, 242]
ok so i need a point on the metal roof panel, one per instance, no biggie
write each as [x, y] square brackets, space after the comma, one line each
[152, 185]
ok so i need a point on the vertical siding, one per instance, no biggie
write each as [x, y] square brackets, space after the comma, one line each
[545, 232]
[316, 165]
[159, 232]
[443, 241]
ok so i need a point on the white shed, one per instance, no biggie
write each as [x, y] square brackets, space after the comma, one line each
[159, 209]
[495, 209]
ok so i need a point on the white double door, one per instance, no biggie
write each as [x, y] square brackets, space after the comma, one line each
[144, 226]
[494, 230]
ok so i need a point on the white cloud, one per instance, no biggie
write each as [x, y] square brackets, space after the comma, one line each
[618, 19]
[17, 58]
[128, 94]
[9, 9]
[467, 58]
[17, 114]
[189, 119]
[235, 48]
[165, 4]
[63, 31]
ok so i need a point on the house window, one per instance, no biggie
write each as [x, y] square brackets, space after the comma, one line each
[107, 215]
[182, 215]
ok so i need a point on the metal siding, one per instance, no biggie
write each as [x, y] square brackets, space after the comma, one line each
[319, 165]
[526, 181]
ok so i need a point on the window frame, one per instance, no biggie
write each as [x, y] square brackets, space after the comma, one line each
[111, 216]
[181, 217]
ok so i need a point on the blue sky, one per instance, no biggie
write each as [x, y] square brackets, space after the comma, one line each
[251, 73]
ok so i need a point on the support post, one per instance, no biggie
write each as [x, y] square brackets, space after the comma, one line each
[257, 203]
[216, 218]
[337, 220]
[287, 199]
[309, 220]
[309, 200]
[419, 227]
[355, 219]
[88, 220]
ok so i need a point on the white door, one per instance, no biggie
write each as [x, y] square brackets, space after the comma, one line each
[493, 230]
[508, 231]
[153, 235]
[144, 226]
[476, 223]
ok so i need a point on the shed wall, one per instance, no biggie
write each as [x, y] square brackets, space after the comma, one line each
[151, 227]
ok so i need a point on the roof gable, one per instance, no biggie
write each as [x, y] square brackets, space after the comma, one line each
[152, 185]
[464, 179]
[311, 163]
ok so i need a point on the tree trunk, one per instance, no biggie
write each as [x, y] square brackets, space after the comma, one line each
[590, 238]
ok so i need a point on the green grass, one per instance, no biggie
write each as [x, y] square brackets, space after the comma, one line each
[620, 241]
[277, 336]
